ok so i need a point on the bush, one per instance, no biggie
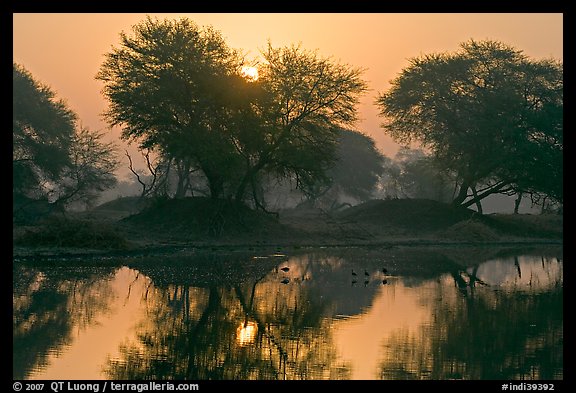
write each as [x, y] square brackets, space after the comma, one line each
[63, 232]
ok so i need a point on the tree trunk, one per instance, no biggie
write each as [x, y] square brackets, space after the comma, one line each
[180, 189]
[216, 187]
[477, 200]
[488, 191]
[543, 209]
[462, 193]
[215, 182]
[248, 179]
[183, 173]
[241, 190]
[517, 202]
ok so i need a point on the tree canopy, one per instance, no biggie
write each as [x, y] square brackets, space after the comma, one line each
[358, 167]
[178, 89]
[488, 113]
[42, 132]
[54, 160]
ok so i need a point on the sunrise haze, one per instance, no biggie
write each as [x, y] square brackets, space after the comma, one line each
[65, 50]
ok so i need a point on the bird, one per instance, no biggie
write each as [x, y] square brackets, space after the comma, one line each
[366, 282]
[366, 273]
[285, 269]
[285, 281]
[354, 273]
[384, 270]
[384, 282]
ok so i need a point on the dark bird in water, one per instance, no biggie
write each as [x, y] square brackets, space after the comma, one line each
[285, 269]
[366, 273]
[285, 281]
[384, 270]
[384, 282]
[366, 283]
[354, 273]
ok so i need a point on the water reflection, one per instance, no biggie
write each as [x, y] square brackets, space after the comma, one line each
[430, 317]
[50, 307]
[509, 327]
[246, 333]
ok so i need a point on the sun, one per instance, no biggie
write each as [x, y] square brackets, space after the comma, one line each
[250, 73]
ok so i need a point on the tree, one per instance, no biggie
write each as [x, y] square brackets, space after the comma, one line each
[358, 166]
[306, 101]
[92, 167]
[42, 132]
[179, 89]
[55, 161]
[168, 86]
[356, 171]
[419, 176]
[488, 113]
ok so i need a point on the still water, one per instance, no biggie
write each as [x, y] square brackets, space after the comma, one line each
[404, 314]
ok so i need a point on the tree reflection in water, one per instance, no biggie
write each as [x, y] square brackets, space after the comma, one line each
[48, 303]
[257, 330]
[485, 332]
[438, 317]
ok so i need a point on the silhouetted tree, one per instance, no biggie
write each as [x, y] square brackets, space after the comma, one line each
[359, 163]
[53, 159]
[356, 170]
[179, 89]
[93, 163]
[306, 100]
[169, 86]
[488, 113]
[42, 132]
[420, 177]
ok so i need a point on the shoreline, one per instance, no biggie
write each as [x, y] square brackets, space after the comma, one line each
[24, 254]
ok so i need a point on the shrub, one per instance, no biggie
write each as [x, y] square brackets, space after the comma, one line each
[64, 232]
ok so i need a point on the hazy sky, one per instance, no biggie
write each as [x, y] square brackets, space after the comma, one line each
[65, 50]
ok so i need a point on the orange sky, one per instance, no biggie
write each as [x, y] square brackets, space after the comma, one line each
[65, 50]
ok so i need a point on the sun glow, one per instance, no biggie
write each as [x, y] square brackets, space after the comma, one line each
[246, 333]
[250, 73]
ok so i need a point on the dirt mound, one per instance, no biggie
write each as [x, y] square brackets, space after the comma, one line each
[198, 218]
[470, 231]
[528, 225]
[418, 215]
[131, 204]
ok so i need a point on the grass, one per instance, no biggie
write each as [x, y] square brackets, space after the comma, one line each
[207, 222]
[419, 215]
[528, 225]
[66, 232]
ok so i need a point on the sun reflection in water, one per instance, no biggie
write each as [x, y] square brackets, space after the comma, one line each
[246, 333]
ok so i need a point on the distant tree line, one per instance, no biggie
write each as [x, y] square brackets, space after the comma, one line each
[490, 121]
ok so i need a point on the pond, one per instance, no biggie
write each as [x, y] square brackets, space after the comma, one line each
[353, 313]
